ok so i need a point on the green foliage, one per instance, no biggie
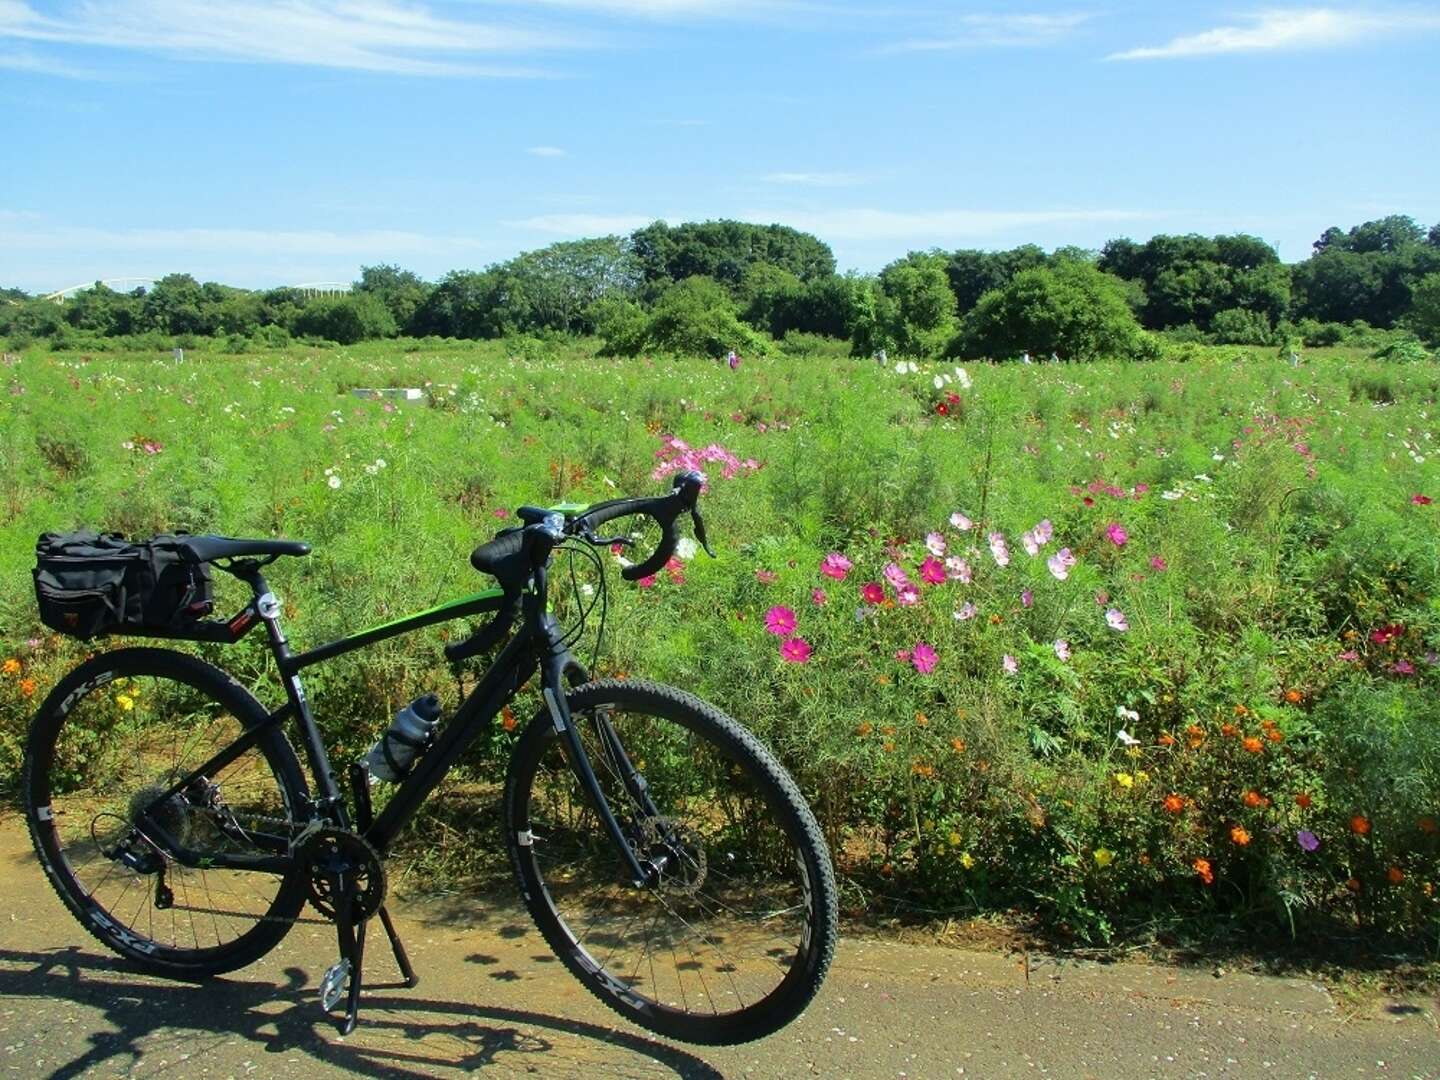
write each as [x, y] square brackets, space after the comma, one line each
[696, 317]
[1073, 310]
[725, 250]
[1424, 315]
[401, 291]
[1241, 326]
[921, 309]
[346, 319]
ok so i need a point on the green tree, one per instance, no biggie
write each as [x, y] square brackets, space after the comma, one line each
[473, 304]
[724, 250]
[175, 305]
[1424, 316]
[346, 319]
[696, 317]
[401, 291]
[562, 282]
[1071, 309]
[924, 305]
[1241, 326]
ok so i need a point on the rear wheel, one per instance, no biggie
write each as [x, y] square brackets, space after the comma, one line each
[117, 733]
[735, 936]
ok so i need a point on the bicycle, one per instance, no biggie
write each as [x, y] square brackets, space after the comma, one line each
[666, 857]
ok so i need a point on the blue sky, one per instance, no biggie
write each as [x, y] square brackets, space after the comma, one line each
[265, 142]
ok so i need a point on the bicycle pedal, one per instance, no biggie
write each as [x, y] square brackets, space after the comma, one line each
[332, 985]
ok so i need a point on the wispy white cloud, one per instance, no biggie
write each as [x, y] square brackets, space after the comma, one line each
[931, 227]
[366, 35]
[28, 234]
[1290, 29]
[994, 31]
[38, 64]
[583, 224]
[545, 151]
[815, 179]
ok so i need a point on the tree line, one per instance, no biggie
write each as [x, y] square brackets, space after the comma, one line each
[707, 287]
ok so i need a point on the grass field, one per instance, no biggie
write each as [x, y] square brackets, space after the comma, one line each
[1218, 700]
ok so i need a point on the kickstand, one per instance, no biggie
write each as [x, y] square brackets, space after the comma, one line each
[402, 959]
[364, 817]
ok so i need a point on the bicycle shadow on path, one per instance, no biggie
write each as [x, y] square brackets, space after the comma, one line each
[221, 1025]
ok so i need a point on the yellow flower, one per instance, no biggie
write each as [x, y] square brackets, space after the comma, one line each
[1142, 776]
[11, 666]
[1104, 857]
[954, 839]
[967, 860]
[1125, 780]
[125, 701]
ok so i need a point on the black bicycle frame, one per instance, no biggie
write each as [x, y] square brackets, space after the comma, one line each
[536, 645]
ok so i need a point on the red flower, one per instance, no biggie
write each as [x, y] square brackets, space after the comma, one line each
[943, 409]
[1386, 634]
[1421, 500]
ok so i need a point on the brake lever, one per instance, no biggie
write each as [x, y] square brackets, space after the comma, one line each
[600, 541]
[699, 524]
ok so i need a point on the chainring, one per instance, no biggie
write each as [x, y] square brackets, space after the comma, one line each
[336, 859]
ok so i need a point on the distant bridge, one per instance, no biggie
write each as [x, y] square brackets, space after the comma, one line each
[127, 284]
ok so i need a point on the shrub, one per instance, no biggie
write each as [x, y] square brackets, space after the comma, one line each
[346, 319]
[697, 317]
[1238, 326]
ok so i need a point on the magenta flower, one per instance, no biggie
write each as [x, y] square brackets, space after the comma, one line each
[1307, 840]
[966, 612]
[1421, 500]
[960, 522]
[766, 577]
[835, 566]
[924, 658]
[935, 544]
[1116, 618]
[819, 597]
[1348, 654]
[1010, 664]
[1027, 598]
[907, 595]
[1158, 564]
[872, 592]
[780, 621]
[647, 582]
[998, 548]
[932, 571]
[795, 650]
[1116, 533]
[1403, 667]
[1060, 564]
[1062, 649]
[958, 569]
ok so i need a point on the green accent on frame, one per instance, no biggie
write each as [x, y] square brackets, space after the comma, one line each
[464, 601]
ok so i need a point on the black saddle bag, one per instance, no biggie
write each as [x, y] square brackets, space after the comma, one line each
[89, 583]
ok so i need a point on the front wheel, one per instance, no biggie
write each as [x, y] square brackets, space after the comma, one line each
[733, 938]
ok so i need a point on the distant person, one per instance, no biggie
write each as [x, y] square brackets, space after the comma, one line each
[882, 357]
[734, 360]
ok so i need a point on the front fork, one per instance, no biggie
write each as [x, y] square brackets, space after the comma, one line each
[553, 668]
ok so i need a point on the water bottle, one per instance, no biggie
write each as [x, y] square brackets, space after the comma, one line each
[408, 736]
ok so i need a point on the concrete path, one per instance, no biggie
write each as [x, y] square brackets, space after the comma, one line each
[494, 1003]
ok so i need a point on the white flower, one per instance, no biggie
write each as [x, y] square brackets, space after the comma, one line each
[1202, 478]
[1124, 738]
[587, 590]
[380, 463]
[334, 481]
[899, 367]
[964, 378]
[686, 548]
[912, 367]
[1122, 713]
[939, 383]
[1172, 495]
[371, 470]
[961, 522]
[1217, 457]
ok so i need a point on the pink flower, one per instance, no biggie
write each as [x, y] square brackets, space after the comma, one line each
[1421, 500]
[780, 621]
[935, 544]
[907, 595]
[1062, 649]
[998, 549]
[1010, 664]
[1141, 489]
[960, 522]
[1116, 619]
[1348, 654]
[1029, 542]
[1027, 598]
[932, 571]
[924, 658]
[903, 655]
[502, 513]
[1402, 667]
[835, 566]
[1043, 532]
[818, 596]
[1060, 564]
[1116, 533]
[958, 569]
[766, 577]
[872, 592]
[1158, 564]
[896, 576]
[1307, 840]
[795, 650]
[647, 582]
[966, 612]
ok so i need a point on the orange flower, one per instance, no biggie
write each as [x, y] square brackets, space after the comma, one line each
[1353, 884]
[1175, 804]
[507, 718]
[11, 666]
[1253, 744]
[1240, 710]
[27, 687]
[888, 729]
[923, 769]
[1394, 875]
[921, 720]
[1294, 697]
[1196, 735]
[958, 745]
[1239, 834]
[1428, 826]
[1254, 799]
[1303, 801]
[1274, 735]
[1202, 867]
[1228, 730]
[1166, 739]
[887, 869]
[865, 728]
[889, 746]
[1360, 825]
